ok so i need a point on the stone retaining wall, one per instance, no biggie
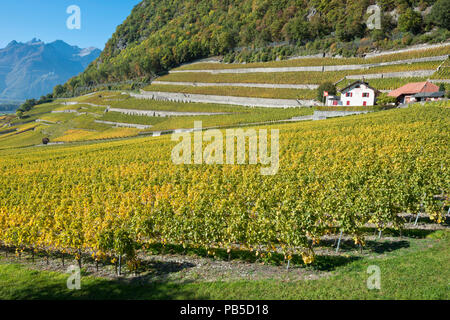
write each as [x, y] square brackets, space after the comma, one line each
[413, 48]
[246, 85]
[240, 101]
[319, 115]
[440, 80]
[156, 113]
[407, 74]
[315, 68]
[125, 125]
[65, 111]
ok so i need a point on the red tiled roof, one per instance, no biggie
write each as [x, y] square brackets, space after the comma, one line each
[413, 88]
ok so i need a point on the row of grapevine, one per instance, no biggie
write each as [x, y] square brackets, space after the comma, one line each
[85, 135]
[305, 62]
[110, 199]
[304, 77]
[252, 92]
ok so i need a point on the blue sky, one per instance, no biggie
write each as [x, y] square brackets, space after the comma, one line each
[23, 20]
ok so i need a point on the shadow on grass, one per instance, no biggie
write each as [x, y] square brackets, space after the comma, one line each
[386, 246]
[159, 270]
[376, 246]
[330, 263]
[409, 233]
[19, 283]
[106, 290]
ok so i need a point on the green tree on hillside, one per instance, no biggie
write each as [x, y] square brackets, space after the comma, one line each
[384, 100]
[326, 86]
[440, 14]
[410, 21]
[58, 90]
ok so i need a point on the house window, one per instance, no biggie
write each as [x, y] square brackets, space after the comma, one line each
[365, 103]
[348, 103]
[335, 103]
[349, 94]
[365, 95]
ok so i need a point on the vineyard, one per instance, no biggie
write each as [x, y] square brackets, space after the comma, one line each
[85, 135]
[384, 72]
[389, 83]
[86, 118]
[80, 119]
[238, 91]
[302, 77]
[228, 150]
[444, 71]
[113, 199]
[307, 62]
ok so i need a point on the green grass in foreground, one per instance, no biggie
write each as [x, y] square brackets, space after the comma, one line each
[419, 271]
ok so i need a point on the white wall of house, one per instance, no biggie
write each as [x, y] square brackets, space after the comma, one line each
[333, 101]
[358, 95]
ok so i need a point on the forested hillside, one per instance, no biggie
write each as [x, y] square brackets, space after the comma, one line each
[161, 34]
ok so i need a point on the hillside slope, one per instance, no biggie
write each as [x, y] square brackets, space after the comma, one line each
[159, 35]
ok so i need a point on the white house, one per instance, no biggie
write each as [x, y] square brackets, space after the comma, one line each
[357, 94]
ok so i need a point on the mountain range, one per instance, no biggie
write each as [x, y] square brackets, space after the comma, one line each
[32, 69]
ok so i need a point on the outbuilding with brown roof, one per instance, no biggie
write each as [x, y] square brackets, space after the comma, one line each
[406, 93]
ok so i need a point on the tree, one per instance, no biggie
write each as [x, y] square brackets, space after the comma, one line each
[442, 87]
[297, 30]
[27, 105]
[440, 14]
[58, 90]
[326, 86]
[225, 41]
[410, 21]
[385, 100]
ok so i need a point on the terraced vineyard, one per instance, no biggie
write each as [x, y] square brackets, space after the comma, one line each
[270, 93]
[85, 135]
[264, 80]
[444, 71]
[385, 84]
[337, 175]
[306, 62]
[85, 118]
[389, 83]
[306, 77]
[82, 118]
